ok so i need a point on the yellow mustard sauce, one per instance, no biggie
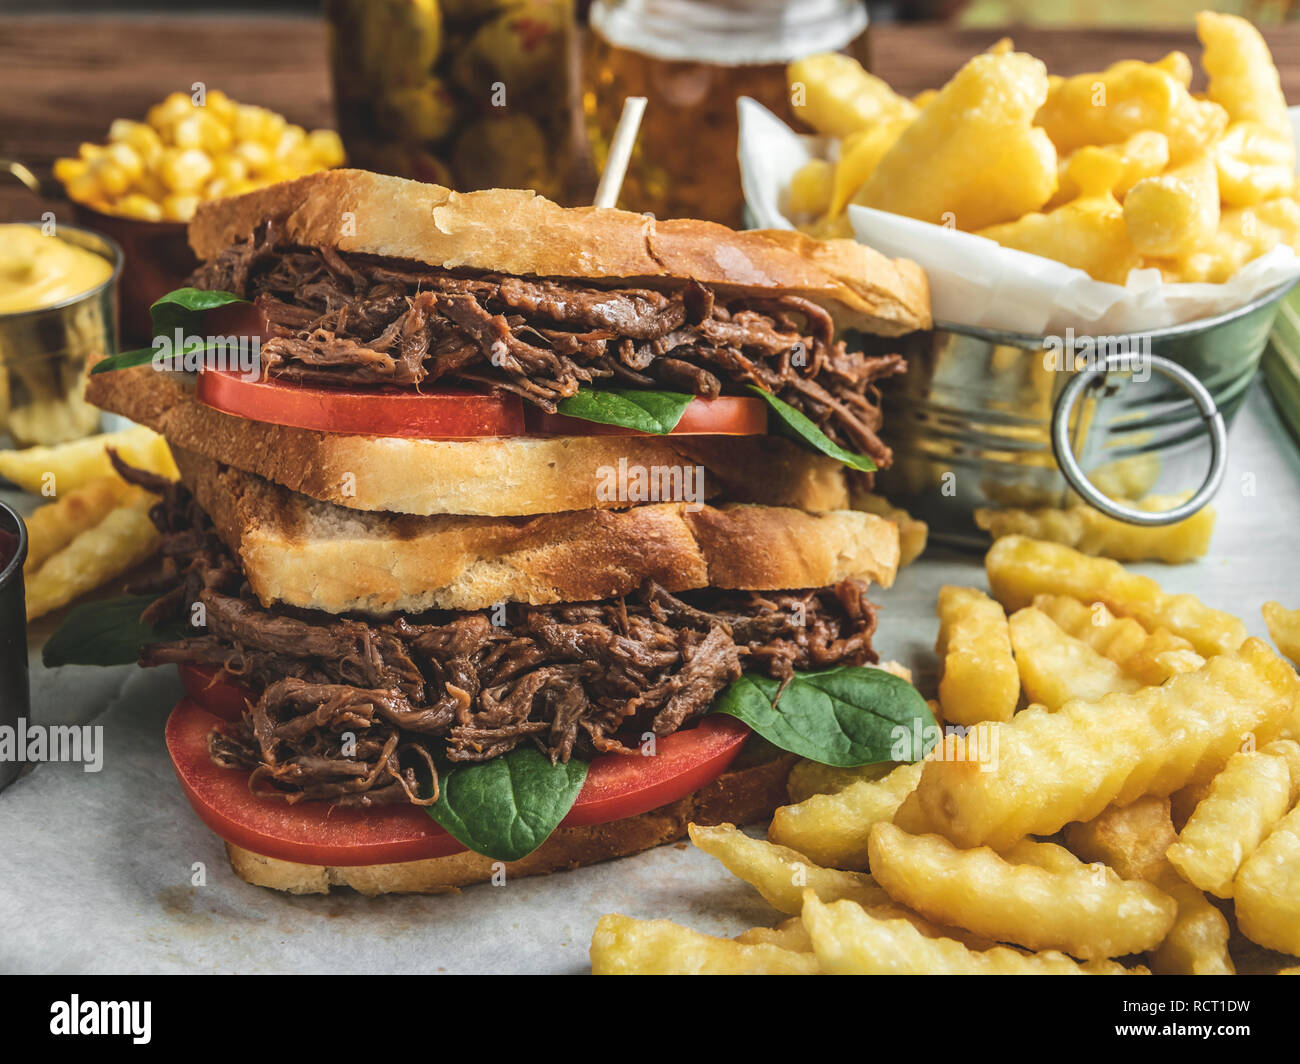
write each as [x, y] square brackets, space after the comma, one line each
[38, 271]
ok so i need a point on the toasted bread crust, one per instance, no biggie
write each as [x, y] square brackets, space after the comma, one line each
[490, 477]
[301, 552]
[745, 796]
[519, 232]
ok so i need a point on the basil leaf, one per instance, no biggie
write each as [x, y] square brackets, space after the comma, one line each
[799, 427]
[632, 408]
[181, 309]
[845, 716]
[507, 807]
[106, 632]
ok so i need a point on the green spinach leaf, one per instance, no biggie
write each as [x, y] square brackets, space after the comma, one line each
[507, 807]
[182, 309]
[631, 408]
[106, 632]
[845, 716]
[798, 427]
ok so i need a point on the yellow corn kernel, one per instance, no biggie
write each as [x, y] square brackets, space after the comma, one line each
[179, 207]
[139, 206]
[184, 169]
[326, 147]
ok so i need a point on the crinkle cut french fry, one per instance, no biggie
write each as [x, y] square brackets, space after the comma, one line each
[1132, 839]
[810, 777]
[850, 941]
[780, 874]
[1246, 801]
[53, 526]
[124, 539]
[1089, 531]
[1041, 900]
[1056, 668]
[1266, 895]
[912, 532]
[624, 946]
[832, 829]
[74, 465]
[1053, 768]
[1284, 629]
[788, 934]
[1020, 568]
[980, 681]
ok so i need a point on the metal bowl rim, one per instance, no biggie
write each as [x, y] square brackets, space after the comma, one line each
[1032, 341]
[20, 555]
[99, 289]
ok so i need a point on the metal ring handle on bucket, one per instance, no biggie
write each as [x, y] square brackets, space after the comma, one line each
[1078, 479]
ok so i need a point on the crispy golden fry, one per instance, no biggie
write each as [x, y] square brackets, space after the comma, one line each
[1113, 167]
[624, 946]
[53, 526]
[1254, 163]
[850, 941]
[809, 777]
[810, 189]
[124, 539]
[912, 533]
[780, 874]
[860, 154]
[1053, 768]
[1177, 212]
[1020, 568]
[788, 934]
[1244, 234]
[1284, 629]
[1033, 897]
[1132, 839]
[1266, 895]
[1127, 98]
[1245, 803]
[1183, 803]
[74, 465]
[1087, 233]
[979, 681]
[973, 157]
[832, 829]
[1056, 668]
[1243, 79]
[1146, 656]
[836, 96]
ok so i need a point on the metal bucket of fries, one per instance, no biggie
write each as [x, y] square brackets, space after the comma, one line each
[992, 419]
[13, 631]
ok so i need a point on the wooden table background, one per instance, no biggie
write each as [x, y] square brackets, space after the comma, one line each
[64, 79]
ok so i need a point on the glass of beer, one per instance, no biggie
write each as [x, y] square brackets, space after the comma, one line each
[693, 59]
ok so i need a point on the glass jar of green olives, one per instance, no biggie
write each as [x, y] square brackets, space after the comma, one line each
[466, 93]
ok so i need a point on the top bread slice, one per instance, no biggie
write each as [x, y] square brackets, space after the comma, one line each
[518, 232]
[491, 477]
[301, 552]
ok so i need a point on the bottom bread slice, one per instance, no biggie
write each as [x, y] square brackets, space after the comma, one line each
[743, 796]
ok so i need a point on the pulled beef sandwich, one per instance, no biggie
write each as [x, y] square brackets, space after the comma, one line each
[530, 541]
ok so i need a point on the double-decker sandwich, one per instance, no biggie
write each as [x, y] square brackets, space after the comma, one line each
[528, 538]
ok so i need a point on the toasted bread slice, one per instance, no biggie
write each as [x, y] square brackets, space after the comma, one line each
[490, 477]
[302, 552]
[519, 232]
[742, 796]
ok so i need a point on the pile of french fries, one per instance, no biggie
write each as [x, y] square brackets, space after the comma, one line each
[1115, 792]
[96, 525]
[1109, 171]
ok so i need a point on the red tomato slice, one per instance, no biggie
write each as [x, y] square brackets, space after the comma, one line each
[727, 415]
[617, 786]
[377, 411]
[225, 698]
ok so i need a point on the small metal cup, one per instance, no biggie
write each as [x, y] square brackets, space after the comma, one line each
[983, 419]
[15, 697]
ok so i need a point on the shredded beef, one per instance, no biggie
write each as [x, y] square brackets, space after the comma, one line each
[355, 319]
[358, 711]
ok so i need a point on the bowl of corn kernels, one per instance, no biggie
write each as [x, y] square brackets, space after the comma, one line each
[143, 186]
